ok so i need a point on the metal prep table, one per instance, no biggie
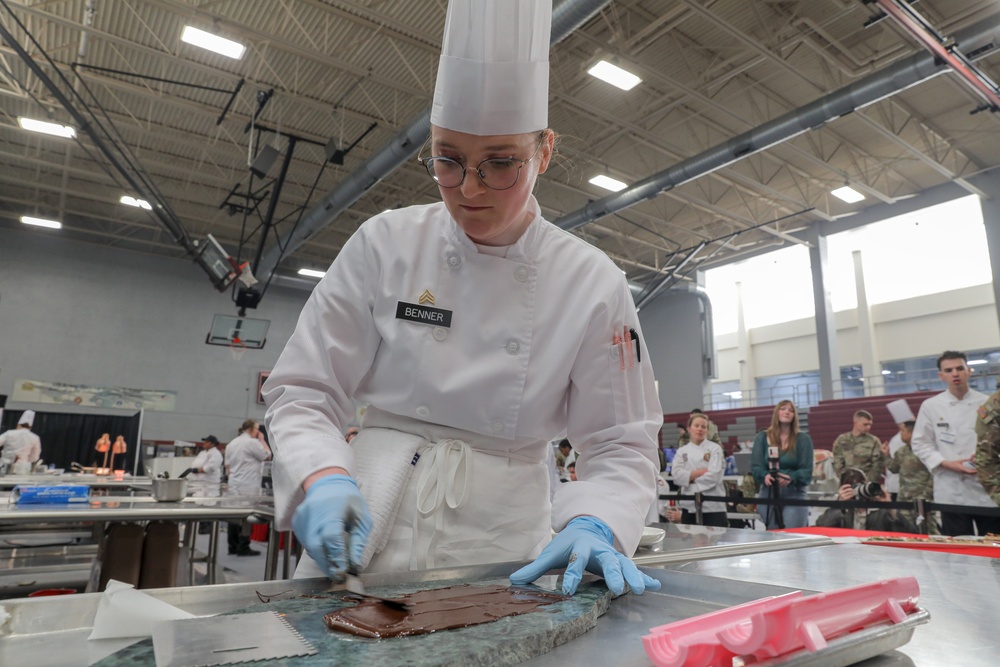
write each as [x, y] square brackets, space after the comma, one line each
[683, 543]
[101, 509]
[962, 593]
[46, 632]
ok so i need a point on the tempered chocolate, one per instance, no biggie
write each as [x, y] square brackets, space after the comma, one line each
[438, 609]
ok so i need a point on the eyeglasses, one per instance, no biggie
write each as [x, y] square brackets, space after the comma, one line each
[496, 173]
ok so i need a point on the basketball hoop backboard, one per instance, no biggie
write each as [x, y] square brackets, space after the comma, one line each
[226, 328]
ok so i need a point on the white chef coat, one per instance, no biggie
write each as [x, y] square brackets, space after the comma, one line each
[245, 456]
[946, 431]
[527, 358]
[211, 460]
[892, 478]
[691, 457]
[20, 445]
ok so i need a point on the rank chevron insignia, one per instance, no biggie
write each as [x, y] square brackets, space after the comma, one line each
[426, 297]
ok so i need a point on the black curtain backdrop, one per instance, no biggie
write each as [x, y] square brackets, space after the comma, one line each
[68, 437]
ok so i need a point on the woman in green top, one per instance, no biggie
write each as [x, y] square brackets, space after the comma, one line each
[794, 452]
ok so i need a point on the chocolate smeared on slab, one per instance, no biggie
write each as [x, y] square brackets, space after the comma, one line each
[438, 609]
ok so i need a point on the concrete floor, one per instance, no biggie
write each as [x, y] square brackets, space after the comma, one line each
[232, 569]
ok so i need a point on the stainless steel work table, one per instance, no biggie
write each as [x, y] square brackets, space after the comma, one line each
[91, 480]
[683, 543]
[962, 593]
[46, 632]
[100, 509]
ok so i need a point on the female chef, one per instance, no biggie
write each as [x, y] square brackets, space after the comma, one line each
[475, 332]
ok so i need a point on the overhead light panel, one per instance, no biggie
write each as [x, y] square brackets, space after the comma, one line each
[608, 183]
[138, 203]
[55, 129]
[978, 362]
[41, 222]
[848, 194]
[614, 75]
[207, 40]
[312, 273]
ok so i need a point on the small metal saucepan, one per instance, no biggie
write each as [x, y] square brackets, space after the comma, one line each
[169, 490]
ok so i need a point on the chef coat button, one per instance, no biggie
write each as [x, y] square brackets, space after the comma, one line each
[521, 274]
[423, 411]
[512, 346]
[454, 261]
[440, 333]
[497, 426]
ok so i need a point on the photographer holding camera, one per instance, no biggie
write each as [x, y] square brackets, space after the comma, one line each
[854, 486]
[782, 465]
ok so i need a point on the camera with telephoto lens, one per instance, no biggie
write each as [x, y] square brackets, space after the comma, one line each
[859, 484]
[868, 491]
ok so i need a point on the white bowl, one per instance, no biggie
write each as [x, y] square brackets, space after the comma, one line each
[651, 536]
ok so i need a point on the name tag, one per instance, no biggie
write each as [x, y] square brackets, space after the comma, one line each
[435, 317]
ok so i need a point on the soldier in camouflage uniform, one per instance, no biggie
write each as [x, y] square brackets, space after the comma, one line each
[915, 480]
[713, 432]
[987, 458]
[859, 449]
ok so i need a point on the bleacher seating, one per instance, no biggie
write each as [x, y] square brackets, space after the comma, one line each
[735, 426]
[823, 422]
[832, 418]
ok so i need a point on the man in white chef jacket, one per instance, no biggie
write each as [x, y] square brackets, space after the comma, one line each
[19, 444]
[944, 438]
[475, 332]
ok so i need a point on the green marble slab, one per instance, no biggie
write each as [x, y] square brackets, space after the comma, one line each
[508, 641]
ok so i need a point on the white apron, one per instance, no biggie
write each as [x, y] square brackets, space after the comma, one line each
[469, 500]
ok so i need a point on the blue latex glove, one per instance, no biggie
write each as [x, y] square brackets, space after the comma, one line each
[586, 542]
[333, 510]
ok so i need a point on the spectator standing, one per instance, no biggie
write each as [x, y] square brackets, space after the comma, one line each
[944, 438]
[794, 452]
[245, 456]
[698, 468]
[915, 480]
[987, 457]
[901, 413]
[859, 449]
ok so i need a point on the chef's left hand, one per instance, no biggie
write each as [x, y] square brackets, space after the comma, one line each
[586, 543]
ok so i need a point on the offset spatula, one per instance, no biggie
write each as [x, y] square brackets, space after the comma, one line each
[353, 580]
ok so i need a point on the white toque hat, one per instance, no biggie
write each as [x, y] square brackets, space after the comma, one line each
[493, 76]
[27, 417]
[900, 411]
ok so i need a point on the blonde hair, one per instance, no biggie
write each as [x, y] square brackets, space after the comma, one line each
[774, 430]
[248, 425]
[697, 415]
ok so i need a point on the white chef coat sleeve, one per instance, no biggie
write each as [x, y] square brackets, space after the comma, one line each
[212, 464]
[716, 466]
[613, 418]
[681, 469]
[309, 391]
[924, 442]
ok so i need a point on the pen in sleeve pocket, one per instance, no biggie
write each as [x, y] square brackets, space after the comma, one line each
[628, 346]
[616, 340]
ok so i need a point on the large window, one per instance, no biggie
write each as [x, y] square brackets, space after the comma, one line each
[933, 250]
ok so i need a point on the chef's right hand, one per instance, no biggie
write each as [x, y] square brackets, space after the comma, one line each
[333, 508]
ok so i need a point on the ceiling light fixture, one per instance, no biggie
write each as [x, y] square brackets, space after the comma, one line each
[312, 273]
[214, 43]
[614, 75]
[138, 203]
[41, 222]
[978, 362]
[848, 194]
[55, 129]
[608, 183]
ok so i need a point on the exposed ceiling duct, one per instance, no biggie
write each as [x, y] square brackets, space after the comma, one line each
[567, 16]
[872, 88]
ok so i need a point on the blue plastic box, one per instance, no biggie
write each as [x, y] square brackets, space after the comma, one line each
[58, 494]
